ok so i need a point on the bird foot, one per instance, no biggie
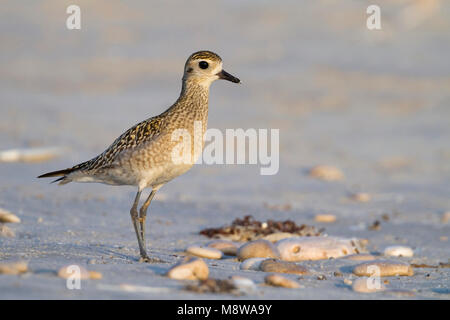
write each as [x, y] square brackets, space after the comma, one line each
[147, 259]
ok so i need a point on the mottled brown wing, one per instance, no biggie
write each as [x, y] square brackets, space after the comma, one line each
[140, 133]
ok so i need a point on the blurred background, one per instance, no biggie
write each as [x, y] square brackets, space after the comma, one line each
[374, 104]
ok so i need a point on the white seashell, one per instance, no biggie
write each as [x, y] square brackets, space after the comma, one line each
[315, 248]
[398, 251]
[209, 253]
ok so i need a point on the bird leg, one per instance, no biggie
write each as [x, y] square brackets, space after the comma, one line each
[139, 225]
[143, 214]
[135, 221]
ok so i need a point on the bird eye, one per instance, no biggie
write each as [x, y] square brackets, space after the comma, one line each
[203, 64]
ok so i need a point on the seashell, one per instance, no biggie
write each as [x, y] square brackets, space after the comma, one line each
[208, 253]
[398, 251]
[316, 248]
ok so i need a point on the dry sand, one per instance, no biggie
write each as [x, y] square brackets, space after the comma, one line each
[374, 104]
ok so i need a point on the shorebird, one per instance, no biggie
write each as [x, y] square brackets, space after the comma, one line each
[142, 155]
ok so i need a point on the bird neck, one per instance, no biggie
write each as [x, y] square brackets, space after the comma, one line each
[194, 97]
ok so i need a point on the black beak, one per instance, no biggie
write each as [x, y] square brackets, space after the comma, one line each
[226, 76]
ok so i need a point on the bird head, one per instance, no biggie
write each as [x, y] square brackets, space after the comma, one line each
[204, 67]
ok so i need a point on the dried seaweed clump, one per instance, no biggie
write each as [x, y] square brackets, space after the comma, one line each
[248, 229]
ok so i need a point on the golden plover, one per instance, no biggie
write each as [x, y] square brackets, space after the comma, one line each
[142, 155]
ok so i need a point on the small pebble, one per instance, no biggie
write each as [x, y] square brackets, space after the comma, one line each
[95, 275]
[315, 248]
[8, 217]
[208, 253]
[361, 257]
[70, 270]
[327, 173]
[348, 282]
[445, 217]
[252, 264]
[367, 285]
[227, 247]
[5, 231]
[280, 281]
[189, 269]
[325, 218]
[258, 249]
[398, 251]
[13, 267]
[360, 197]
[384, 267]
[272, 265]
[277, 236]
[337, 274]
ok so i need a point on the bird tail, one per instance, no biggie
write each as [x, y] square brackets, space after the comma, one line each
[63, 180]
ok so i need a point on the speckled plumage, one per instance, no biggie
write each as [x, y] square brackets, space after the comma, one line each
[142, 155]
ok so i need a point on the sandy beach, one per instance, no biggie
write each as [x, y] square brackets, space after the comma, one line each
[374, 104]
